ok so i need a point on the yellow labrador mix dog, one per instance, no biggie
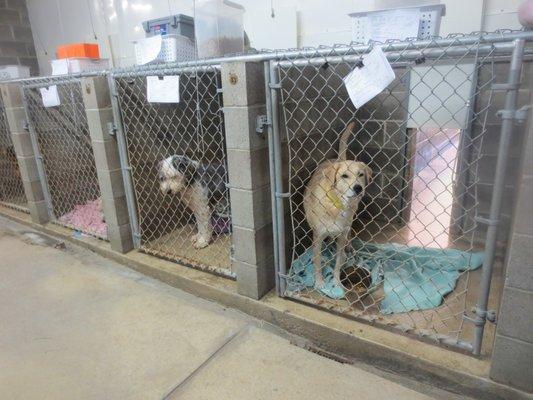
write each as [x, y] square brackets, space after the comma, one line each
[330, 202]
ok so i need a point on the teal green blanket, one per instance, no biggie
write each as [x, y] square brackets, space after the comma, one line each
[413, 278]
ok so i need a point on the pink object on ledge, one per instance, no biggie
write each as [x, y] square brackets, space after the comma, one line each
[87, 218]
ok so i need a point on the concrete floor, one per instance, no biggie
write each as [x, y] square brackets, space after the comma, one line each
[77, 326]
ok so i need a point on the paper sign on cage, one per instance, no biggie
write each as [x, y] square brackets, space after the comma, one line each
[50, 96]
[371, 78]
[163, 89]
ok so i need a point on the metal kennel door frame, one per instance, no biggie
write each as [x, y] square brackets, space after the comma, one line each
[513, 46]
[45, 82]
[135, 213]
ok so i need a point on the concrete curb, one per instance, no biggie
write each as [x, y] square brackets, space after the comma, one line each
[330, 334]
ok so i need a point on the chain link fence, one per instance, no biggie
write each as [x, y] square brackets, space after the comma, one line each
[177, 158]
[11, 187]
[65, 154]
[402, 245]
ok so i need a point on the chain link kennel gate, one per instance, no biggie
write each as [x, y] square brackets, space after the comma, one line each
[420, 236]
[65, 155]
[11, 187]
[187, 139]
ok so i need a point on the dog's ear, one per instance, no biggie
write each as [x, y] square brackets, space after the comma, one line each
[368, 174]
[330, 174]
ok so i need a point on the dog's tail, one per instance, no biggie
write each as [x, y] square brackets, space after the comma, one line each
[343, 143]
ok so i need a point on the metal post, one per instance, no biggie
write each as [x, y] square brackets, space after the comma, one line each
[508, 116]
[272, 168]
[124, 165]
[273, 86]
[38, 157]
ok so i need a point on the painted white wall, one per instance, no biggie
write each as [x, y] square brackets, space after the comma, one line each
[296, 23]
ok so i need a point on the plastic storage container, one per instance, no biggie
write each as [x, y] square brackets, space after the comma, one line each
[78, 50]
[428, 22]
[218, 28]
[173, 48]
[14, 72]
[175, 25]
[65, 66]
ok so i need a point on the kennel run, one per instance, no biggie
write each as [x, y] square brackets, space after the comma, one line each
[429, 231]
[62, 145]
[11, 186]
[175, 154]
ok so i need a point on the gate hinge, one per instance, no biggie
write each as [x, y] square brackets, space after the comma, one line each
[505, 86]
[519, 115]
[481, 316]
[111, 128]
[261, 121]
[487, 221]
[26, 126]
[274, 85]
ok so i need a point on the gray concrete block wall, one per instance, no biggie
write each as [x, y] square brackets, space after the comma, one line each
[16, 40]
[16, 117]
[243, 91]
[512, 359]
[97, 102]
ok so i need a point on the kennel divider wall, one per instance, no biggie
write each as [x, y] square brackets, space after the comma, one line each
[101, 124]
[11, 184]
[151, 132]
[440, 103]
[64, 154]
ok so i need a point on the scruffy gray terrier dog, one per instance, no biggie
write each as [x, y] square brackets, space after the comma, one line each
[200, 187]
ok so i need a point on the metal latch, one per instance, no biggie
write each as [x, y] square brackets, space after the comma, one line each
[25, 126]
[261, 121]
[111, 129]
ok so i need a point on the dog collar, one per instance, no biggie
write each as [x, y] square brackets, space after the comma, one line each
[336, 201]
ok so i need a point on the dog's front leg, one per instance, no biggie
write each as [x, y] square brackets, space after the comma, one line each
[202, 213]
[318, 240]
[340, 259]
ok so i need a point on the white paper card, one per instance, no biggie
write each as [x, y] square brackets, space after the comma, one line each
[60, 67]
[364, 83]
[164, 89]
[148, 49]
[394, 24]
[50, 96]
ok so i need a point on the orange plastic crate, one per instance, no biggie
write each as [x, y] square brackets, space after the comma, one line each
[78, 50]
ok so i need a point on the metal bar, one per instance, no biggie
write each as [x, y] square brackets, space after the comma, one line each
[166, 70]
[497, 194]
[461, 51]
[278, 179]
[272, 169]
[123, 156]
[38, 157]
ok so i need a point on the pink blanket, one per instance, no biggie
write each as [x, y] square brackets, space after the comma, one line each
[87, 218]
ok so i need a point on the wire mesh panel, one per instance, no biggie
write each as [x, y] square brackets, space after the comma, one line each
[390, 233]
[177, 155]
[11, 188]
[66, 152]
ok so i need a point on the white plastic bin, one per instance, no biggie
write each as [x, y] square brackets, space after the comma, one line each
[64, 66]
[390, 23]
[218, 27]
[174, 48]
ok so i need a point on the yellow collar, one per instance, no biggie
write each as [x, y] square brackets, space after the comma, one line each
[335, 200]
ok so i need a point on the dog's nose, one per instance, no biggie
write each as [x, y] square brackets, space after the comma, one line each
[357, 189]
[169, 191]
